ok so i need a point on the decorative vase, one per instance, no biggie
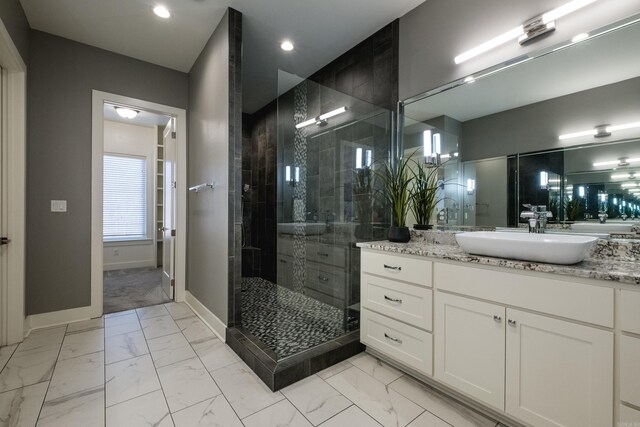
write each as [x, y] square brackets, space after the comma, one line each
[422, 226]
[399, 234]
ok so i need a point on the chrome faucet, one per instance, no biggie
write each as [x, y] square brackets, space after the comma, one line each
[537, 217]
[602, 216]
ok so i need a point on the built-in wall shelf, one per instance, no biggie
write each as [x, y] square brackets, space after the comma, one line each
[159, 194]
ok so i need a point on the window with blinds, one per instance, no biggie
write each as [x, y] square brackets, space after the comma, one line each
[125, 200]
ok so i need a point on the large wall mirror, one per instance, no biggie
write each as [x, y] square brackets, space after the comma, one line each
[559, 128]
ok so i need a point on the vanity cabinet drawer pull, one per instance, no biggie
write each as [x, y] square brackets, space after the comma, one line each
[497, 318]
[324, 279]
[323, 254]
[511, 322]
[398, 300]
[391, 267]
[396, 340]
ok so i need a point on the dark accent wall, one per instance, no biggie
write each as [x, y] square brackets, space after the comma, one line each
[61, 77]
[215, 153]
[15, 21]
[368, 71]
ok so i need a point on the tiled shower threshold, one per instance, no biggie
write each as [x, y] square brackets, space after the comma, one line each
[277, 374]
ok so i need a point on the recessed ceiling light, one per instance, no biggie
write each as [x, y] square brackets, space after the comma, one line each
[126, 113]
[580, 37]
[287, 45]
[162, 12]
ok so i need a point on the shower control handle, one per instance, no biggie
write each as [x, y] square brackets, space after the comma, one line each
[398, 300]
[392, 267]
[323, 254]
[324, 279]
[283, 261]
[389, 337]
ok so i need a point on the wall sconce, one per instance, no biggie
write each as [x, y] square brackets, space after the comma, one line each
[603, 197]
[321, 120]
[581, 191]
[431, 148]
[359, 159]
[471, 186]
[621, 162]
[615, 201]
[600, 131]
[526, 32]
[544, 180]
[292, 180]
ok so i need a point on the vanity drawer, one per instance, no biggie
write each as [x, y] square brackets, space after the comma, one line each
[325, 279]
[630, 311]
[409, 345]
[402, 301]
[399, 267]
[630, 370]
[546, 294]
[327, 254]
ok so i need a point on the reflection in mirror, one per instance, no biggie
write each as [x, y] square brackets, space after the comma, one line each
[559, 129]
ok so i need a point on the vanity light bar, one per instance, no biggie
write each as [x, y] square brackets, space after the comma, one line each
[321, 119]
[527, 31]
[600, 130]
[622, 162]
[629, 184]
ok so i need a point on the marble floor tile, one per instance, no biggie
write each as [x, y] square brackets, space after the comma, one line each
[121, 324]
[443, 407]
[170, 349]
[427, 419]
[281, 414]
[246, 393]
[151, 311]
[186, 383]
[315, 399]
[119, 313]
[386, 406]
[179, 310]
[194, 329]
[84, 409]
[82, 343]
[130, 378]
[85, 325]
[41, 338]
[125, 346]
[214, 412]
[335, 369]
[351, 417]
[5, 354]
[146, 410]
[214, 353]
[29, 367]
[76, 375]
[375, 368]
[158, 326]
[20, 407]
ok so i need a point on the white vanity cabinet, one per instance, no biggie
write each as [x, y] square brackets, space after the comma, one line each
[630, 356]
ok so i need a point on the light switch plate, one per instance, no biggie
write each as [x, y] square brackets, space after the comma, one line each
[58, 206]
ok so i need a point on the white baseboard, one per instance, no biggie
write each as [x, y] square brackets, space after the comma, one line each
[129, 264]
[55, 318]
[211, 320]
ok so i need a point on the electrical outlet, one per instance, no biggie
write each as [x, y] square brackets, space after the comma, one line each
[116, 252]
[58, 206]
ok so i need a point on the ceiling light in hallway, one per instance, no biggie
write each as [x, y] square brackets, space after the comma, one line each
[287, 45]
[127, 113]
[162, 12]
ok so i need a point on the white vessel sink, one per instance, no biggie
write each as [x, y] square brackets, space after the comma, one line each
[550, 248]
[608, 227]
[307, 228]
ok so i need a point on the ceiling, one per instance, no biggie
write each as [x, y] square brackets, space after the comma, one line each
[320, 31]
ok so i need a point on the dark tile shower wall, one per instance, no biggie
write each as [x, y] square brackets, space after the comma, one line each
[369, 71]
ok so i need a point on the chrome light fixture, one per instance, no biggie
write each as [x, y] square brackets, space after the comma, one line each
[359, 159]
[544, 180]
[432, 148]
[471, 186]
[526, 32]
[321, 120]
[292, 180]
[600, 131]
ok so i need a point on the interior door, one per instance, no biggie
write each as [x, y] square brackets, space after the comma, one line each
[4, 240]
[169, 210]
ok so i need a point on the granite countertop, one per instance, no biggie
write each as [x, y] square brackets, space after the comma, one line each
[594, 267]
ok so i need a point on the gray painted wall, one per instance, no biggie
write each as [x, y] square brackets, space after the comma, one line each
[15, 21]
[61, 77]
[215, 149]
[536, 126]
[432, 34]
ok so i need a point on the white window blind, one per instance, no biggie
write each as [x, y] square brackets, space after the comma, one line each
[125, 200]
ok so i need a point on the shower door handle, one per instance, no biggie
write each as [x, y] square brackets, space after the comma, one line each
[324, 279]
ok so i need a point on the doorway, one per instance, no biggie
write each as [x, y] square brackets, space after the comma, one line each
[138, 203]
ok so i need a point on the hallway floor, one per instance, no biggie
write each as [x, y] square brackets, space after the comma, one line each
[162, 366]
[132, 288]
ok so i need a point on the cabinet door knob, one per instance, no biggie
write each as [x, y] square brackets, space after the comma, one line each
[497, 318]
[398, 300]
[391, 267]
[511, 322]
[396, 340]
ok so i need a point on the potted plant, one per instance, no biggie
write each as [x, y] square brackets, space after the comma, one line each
[424, 195]
[573, 208]
[396, 181]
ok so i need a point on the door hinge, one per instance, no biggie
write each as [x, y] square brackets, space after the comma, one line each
[174, 184]
[173, 135]
[173, 282]
[173, 233]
